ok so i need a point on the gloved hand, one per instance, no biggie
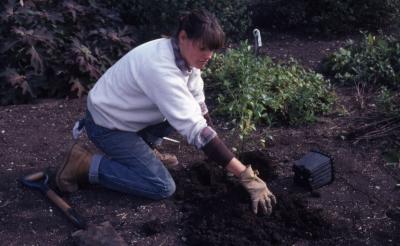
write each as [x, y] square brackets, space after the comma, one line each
[259, 192]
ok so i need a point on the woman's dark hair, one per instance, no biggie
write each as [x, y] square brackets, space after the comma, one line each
[202, 26]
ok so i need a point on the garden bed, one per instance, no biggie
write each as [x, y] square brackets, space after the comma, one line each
[209, 207]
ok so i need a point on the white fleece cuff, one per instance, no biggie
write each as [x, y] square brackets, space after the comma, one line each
[204, 137]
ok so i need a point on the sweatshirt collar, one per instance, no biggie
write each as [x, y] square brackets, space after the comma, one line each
[179, 61]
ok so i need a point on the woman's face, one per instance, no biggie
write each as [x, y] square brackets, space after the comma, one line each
[193, 52]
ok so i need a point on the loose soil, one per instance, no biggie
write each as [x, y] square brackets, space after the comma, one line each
[209, 206]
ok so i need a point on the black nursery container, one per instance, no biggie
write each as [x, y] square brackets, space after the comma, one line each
[313, 170]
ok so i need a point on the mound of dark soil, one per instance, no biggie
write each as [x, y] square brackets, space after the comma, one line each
[219, 210]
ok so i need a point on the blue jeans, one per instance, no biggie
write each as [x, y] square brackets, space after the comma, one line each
[129, 164]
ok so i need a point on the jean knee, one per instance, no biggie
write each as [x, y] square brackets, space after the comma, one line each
[168, 189]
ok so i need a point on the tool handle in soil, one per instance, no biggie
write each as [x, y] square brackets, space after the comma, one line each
[71, 213]
[78, 220]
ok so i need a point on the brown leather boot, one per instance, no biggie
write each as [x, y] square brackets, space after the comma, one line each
[169, 160]
[75, 169]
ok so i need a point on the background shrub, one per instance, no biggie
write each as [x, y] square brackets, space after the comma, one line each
[374, 64]
[60, 48]
[48, 48]
[154, 18]
[255, 90]
[373, 61]
[327, 16]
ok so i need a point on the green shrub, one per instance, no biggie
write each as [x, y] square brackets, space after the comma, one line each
[374, 61]
[255, 90]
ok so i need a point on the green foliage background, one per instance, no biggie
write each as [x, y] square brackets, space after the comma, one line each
[60, 48]
[153, 17]
[48, 48]
[327, 16]
[374, 64]
[373, 61]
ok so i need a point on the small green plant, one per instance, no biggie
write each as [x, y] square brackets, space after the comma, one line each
[392, 158]
[388, 101]
[254, 90]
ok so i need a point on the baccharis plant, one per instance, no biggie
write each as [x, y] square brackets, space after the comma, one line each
[255, 90]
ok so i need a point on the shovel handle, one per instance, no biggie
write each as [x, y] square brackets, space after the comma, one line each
[57, 200]
[34, 176]
[39, 181]
[71, 213]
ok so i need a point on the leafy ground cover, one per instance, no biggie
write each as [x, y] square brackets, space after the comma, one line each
[208, 207]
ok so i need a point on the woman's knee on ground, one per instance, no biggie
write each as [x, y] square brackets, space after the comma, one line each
[166, 190]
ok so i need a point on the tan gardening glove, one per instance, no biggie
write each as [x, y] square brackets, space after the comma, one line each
[259, 192]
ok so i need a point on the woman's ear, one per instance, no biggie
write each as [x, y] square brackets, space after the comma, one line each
[182, 36]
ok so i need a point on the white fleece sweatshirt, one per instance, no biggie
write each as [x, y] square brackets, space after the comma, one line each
[145, 87]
